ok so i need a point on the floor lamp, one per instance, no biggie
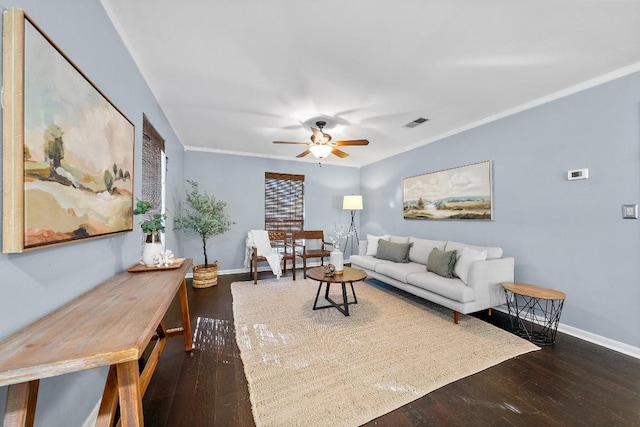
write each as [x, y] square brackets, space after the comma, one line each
[352, 203]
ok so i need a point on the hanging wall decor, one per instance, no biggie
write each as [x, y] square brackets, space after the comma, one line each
[463, 192]
[67, 150]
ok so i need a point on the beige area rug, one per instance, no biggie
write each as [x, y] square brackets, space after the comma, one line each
[320, 368]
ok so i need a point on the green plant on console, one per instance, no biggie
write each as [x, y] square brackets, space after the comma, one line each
[205, 215]
[154, 224]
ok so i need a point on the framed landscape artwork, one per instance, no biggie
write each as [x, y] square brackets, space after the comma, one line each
[67, 150]
[463, 192]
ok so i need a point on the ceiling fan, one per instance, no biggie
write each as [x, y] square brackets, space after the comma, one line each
[321, 144]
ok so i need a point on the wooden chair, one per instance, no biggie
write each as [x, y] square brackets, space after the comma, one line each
[301, 250]
[278, 240]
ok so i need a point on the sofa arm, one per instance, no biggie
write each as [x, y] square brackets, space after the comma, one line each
[362, 247]
[486, 279]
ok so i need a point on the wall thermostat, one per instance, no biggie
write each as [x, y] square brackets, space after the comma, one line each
[578, 174]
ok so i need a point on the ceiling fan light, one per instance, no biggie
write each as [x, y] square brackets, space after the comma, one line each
[320, 151]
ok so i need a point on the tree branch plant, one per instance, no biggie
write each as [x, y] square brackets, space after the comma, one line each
[205, 215]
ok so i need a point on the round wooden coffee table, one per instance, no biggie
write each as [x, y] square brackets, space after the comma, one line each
[535, 311]
[349, 275]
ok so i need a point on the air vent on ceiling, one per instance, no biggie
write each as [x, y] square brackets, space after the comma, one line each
[416, 122]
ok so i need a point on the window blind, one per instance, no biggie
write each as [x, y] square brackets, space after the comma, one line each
[152, 161]
[283, 202]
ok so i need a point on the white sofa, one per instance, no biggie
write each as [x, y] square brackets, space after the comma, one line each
[484, 278]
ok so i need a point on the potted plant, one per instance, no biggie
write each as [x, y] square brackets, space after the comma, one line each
[207, 217]
[151, 227]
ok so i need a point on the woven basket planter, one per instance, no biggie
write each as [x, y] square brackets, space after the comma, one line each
[205, 277]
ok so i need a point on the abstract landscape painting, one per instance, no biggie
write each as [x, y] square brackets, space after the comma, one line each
[77, 149]
[459, 193]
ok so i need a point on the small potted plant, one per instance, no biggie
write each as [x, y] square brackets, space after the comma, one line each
[151, 227]
[206, 216]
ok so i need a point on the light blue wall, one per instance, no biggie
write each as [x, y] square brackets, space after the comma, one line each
[37, 282]
[568, 235]
[239, 181]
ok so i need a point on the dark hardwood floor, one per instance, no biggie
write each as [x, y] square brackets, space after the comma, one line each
[572, 383]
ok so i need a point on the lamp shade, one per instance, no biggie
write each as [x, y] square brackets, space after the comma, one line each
[353, 203]
[321, 151]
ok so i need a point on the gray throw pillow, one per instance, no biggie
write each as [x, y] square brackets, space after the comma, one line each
[396, 252]
[441, 262]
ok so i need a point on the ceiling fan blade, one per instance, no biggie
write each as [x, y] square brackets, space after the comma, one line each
[339, 153]
[351, 142]
[304, 153]
[316, 133]
[289, 142]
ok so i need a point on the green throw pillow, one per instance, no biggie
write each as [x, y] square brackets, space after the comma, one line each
[396, 252]
[441, 262]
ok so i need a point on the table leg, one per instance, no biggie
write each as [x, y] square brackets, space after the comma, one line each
[342, 308]
[109, 401]
[344, 299]
[315, 303]
[186, 317]
[20, 409]
[355, 300]
[130, 394]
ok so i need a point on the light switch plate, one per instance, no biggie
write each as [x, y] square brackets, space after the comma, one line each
[630, 211]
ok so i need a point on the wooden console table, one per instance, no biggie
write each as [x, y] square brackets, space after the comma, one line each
[110, 325]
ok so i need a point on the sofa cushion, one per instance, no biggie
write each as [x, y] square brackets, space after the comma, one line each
[399, 271]
[372, 243]
[421, 248]
[492, 251]
[398, 239]
[396, 252]
[449, 288]
[466, 257]
[441, 262]
[367, 261]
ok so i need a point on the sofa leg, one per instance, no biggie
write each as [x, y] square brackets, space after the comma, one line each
[456, 317]
[489, 312]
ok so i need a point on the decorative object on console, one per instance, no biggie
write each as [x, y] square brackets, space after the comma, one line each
[463, 192]
[151, 227]
[352, 203]
[59, 186]
[164, 259]
[207, 217]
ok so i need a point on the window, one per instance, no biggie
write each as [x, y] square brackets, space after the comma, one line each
[153, 167]
[283, 202]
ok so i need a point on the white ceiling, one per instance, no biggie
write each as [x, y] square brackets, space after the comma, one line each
[233, 76]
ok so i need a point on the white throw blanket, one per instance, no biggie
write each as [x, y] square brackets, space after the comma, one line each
[260, 239]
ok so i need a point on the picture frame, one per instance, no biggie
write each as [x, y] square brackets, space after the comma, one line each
[68, 152]
[463, 192]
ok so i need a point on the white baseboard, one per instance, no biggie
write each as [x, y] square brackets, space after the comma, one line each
[247, 270]
[614, 345]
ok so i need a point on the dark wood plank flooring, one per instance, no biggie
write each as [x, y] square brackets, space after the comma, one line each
[572, 383]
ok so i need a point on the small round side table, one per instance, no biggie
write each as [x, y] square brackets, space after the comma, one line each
[535, 311]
